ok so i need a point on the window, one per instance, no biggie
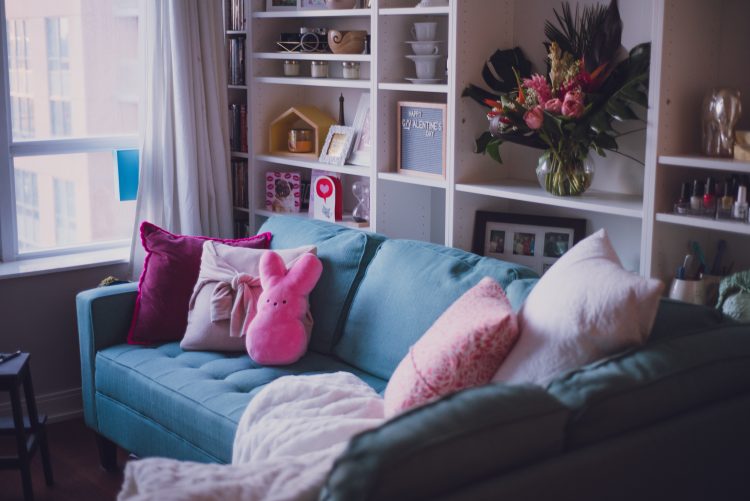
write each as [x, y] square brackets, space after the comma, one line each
[69, 108]
[19, 76]
[27, 209]
[65, 211]
[58, 73]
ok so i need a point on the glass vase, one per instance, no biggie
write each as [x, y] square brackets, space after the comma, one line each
[564, 175]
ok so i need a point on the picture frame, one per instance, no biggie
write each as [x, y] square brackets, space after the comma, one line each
[534, 241]
[361, 150]
[338, 145]
[276, 5]
[312, 4]
[421, 139]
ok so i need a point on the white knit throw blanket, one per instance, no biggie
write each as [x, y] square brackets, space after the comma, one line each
[285, 444]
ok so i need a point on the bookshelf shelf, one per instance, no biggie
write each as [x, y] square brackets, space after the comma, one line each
[293, 161]
[314, 82]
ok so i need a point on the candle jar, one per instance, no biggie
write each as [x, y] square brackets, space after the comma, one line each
[300, 140]
[291, 68]
[351, 69]
[319, 69]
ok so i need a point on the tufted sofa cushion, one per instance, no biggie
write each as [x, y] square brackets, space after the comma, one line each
[199, 396]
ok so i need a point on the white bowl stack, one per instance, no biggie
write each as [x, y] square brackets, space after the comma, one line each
[426, 53]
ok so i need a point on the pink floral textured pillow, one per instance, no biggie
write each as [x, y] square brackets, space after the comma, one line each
[170, 271]
[462, 349]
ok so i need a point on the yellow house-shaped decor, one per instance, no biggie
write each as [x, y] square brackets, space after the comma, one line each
[313, 118]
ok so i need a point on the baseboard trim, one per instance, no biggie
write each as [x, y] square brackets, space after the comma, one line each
[58, 406]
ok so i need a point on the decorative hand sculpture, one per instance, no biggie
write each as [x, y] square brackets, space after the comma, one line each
[721, 111]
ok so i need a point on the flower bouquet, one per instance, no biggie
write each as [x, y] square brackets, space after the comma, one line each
[591, 82]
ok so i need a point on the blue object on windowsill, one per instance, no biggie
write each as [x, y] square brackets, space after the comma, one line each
[127, 174]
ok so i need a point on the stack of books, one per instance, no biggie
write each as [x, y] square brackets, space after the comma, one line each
[236, 15]
[239, 183]
[238, 127]
[237, 61]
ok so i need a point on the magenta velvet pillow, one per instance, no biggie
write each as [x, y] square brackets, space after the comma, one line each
[462, 349]
[170, 271]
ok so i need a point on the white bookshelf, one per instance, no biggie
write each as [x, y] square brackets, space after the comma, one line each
[695, 45]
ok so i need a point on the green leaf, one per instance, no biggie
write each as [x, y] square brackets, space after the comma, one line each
[619, 110]
[606, 141]
[600, 123]
[493, 150]
[480, 145]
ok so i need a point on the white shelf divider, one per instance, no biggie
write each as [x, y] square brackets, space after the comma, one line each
[315, 82]
[348, 219]
[418, 180]
[726, 164]
[410, 87]
[414, 11]
[303, 163]
[603, 202]
[705, 223]
[314, 56]
[296, 14]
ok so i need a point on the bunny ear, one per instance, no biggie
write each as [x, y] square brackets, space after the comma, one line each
[305, 273]
[271, 268]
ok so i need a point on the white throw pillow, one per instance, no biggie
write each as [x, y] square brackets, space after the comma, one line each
[225, 296]
[584, 308]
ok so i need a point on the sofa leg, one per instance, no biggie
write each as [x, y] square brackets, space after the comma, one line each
[107, 453]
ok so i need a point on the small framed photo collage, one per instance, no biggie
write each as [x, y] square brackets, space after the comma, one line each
[533, 241]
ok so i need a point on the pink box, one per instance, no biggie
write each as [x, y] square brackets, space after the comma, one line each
[283, 191]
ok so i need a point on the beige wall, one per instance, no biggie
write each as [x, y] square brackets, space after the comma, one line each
[39, 316]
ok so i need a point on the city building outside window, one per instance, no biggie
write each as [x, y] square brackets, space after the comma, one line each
[19, 75]
[72, 99]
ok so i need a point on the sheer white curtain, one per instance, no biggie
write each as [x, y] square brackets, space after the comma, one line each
[184, 182]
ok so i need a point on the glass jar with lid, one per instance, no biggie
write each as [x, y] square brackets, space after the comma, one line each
[300, 140]
[291, 68]
[351, 70]
[319, 69]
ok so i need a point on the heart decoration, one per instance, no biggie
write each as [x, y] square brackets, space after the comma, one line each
[324, 189]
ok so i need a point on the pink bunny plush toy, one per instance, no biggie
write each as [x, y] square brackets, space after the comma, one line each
[277, 336]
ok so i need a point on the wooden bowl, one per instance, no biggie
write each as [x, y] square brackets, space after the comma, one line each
[347, 42]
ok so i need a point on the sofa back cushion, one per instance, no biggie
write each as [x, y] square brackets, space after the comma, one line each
[407, 286]
[448, 444]
[655, 382]
[344, 252]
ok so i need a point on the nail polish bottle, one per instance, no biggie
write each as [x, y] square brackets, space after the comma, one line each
[682, 205]
[740, 206]
[726, 202]
[709, 197]
[696, 200]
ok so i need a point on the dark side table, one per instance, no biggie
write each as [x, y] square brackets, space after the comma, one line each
[29, 430]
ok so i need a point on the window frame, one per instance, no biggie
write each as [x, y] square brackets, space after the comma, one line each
[10, 149]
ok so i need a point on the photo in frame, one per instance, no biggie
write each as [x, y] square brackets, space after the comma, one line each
[533, 241]
[421, 139]
[312, 4]
[338, 145]
[272, 5]
[361, 149]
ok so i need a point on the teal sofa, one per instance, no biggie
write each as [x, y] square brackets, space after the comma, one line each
[666, 421]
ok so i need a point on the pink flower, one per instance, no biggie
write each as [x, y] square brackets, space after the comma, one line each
[534, 117]
[539, 85]
[573, 104]
[553, 106]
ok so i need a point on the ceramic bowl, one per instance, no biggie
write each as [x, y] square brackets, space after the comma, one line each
[347, 42]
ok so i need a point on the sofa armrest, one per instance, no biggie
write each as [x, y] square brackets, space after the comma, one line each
[445, 445]
[104, 316]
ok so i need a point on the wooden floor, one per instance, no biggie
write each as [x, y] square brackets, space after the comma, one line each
[75, 466]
